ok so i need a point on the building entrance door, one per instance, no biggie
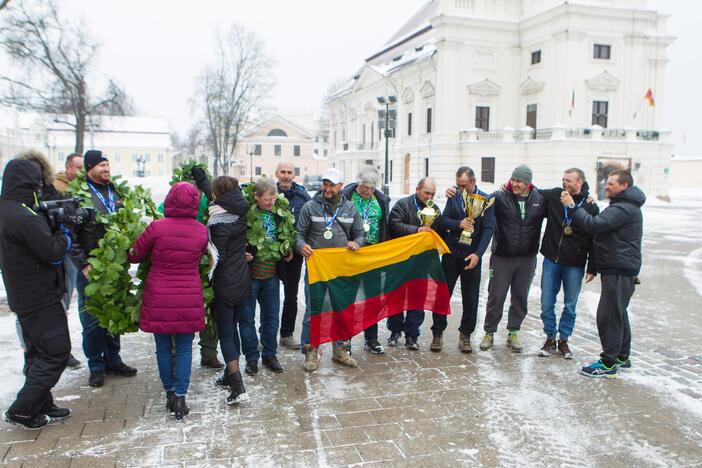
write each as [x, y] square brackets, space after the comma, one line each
[604, 167]
[406, 174]
[531, 119]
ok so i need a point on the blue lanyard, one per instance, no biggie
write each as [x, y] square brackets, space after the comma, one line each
[567, 217]
[268, 224]
[416, 204]
[461, 201]
[365, 212]
[328, 223]
[108, 204]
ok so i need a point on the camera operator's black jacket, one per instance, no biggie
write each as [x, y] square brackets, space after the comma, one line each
[87, 235]
[28, 248]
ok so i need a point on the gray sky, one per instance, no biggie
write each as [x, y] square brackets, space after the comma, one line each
[157, 47]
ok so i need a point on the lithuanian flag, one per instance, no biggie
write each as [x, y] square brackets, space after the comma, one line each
[350, 291]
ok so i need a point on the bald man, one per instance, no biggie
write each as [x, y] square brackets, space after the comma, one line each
[297, 196]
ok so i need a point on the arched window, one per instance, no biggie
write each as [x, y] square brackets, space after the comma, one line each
[277, 132]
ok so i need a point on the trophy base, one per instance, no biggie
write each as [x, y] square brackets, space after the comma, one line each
[465, 239]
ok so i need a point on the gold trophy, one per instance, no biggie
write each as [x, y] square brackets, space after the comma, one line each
[475, 207]
[428, 214]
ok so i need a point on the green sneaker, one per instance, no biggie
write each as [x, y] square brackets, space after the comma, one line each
[513, 342]
[623, 364]
[487, 341]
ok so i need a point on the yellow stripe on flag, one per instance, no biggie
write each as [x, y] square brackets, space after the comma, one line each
[327, 264]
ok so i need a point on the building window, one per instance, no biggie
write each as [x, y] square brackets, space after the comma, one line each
[487, 170]
[602, 51]
[426, 167]
[258, 170]
[147, 157]
[409, 124]
[117, 157]
[134, 157]
[160, 157]
[536, 57]
[482, 118]
[599, 113]
[326, 152]
[296, 150]
[428, 119]
[257, 150]
[297, 171]
[531, 116]
[277, 132]
[59, 157]
[363, 134]
[334, 138]
[277, 150]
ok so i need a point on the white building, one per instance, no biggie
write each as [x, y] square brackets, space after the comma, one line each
[496, 83]
[134, 145]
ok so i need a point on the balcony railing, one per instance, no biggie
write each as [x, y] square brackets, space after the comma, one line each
[363, 146]
[561, 132]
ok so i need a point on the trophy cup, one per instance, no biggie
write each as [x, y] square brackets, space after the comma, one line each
[475, 207]
[428, 214]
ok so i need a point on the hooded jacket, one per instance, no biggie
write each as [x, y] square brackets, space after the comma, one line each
[172, 301]
[383, 201]
[297, 196]
[231, 279]
[61, 182]
[310, 225]
[48, 190]
[514, 236]
[617, 232]
[30, 254]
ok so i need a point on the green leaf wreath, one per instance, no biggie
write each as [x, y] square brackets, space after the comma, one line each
[184, 172]
[268, 250]
[113, 296]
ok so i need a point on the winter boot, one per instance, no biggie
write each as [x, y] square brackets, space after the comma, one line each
[170, 401]
[548, 347]
[464, 344]
[238, 392]
[180, 409]
[342, 355]
[312, 357]
[436, 343]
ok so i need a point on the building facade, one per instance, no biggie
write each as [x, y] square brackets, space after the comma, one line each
[496, 83]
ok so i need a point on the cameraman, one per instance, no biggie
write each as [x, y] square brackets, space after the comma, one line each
[31, 258]
[101, 348]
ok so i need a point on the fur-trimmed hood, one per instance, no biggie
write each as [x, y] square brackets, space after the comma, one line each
[47, 172]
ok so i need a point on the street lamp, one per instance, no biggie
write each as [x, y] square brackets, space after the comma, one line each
[386, 120]
[251, 148]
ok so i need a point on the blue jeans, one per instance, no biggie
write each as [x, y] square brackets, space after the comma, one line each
[227, 317]
[100, 348]
[408, 322]
[305, 332]
[552, 276]
[177, 379]
[267, 293]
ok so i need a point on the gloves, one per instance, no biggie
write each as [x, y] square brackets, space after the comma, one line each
[198, 174]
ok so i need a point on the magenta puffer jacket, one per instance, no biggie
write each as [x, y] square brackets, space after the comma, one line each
[172, 300]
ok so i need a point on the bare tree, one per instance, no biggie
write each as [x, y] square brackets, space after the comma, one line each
[57, 57]
[231, 90]
[3, 3]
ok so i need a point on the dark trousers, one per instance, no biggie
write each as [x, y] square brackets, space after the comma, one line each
[291, 284]
[454, 267]
[613, 318]
[100, 348]
[513, 275]
[45, 332]
[228, 326]
[408, 322]
[208, 342]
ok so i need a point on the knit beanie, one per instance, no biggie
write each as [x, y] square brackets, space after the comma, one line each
[522, 173]
[92, 159]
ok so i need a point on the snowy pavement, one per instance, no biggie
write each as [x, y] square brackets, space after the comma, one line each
[415, 408]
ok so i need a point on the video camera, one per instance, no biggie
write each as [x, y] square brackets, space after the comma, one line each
[67, 211]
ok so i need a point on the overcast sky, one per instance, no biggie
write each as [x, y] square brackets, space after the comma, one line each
[156, 48]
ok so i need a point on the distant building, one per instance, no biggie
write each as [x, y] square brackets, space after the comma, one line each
[135, 146]
[496, 83]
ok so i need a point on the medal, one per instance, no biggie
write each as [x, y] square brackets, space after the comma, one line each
[366, 227]
[567, 230]
[328, 234]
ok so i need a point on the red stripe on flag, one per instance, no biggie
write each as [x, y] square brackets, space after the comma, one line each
[419, 294]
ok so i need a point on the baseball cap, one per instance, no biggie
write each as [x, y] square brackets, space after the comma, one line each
[333, 175]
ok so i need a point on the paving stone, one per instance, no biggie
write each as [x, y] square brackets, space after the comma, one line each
[346, 436]
[98, 428]
[86, 461]
[376, 451]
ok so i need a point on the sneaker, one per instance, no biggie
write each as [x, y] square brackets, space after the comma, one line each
[564, 349]
[312, 358]
[464, 344]
[548, 347]
[623, 363]
[238, 392]
[272, 364]
[289, 343]
[96, 379]
[223, 381]
[487, 341]
[57, 414]
[341, 355]
[374, 347]
[30, 423]
[599, 369]
[212, 363]
[251, 367]
[411, 343]
[394, 338]
[436, 343]
[73, 363]
[122, 370]
[513, 342]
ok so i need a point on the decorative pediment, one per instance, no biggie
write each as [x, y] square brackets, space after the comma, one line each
[407, 95]
[605, 81]
[427, 90]
[366, 78]
[485, 88]
[369, 106]
[531, 86]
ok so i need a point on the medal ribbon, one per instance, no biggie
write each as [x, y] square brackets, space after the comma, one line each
[328, 223]
[566, 215]
[108, 204]
[268, 224]
[365, 212]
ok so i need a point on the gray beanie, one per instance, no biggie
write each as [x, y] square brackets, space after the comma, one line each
[522, 173]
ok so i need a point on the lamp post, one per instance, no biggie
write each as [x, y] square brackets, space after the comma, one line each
[251, 149]
[386, 120]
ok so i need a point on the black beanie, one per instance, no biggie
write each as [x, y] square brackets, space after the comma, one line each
[93, 158]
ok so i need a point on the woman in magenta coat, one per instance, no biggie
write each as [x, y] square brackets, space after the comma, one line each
[172, 306]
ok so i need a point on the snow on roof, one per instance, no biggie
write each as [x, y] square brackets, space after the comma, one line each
[417, 22]
[410, 56]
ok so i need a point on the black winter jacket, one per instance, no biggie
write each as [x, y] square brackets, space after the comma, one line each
[86, 236]
[383, 201]
[575, 249]
[403, 218]
[231, 280]
[617, 233]
[297, 196]
[30, 254]
[514, 237]
[483, 227]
